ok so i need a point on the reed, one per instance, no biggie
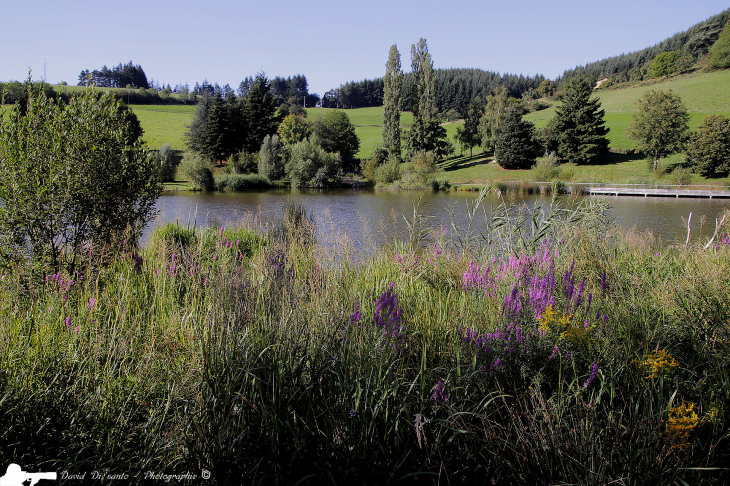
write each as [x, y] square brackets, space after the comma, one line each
[536, 347]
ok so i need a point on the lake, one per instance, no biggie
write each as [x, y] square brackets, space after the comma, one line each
[375, 217]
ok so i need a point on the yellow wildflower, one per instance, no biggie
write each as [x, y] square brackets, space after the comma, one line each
[680, 423]
[658, 363]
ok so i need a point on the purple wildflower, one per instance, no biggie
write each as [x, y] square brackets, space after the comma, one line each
[92, 303]
[356, 315]
[438, 394]
[594, 372]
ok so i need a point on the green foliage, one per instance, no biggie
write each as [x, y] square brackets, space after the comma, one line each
[392, 90]
[424, 165]
[246, 163]
[241, 182]
[580, 124]
[720, 51]
[71, 176]
[197, 134]
[516, 147]
[369, 165]
[259, 111]
[660, 125]
[309, 165]
[336, 134]
[183, 236]
[680, 176]
[195, 169]
[271, 165]
[491, 121]
[708, 151]
[546, 169]
[664, 64]
[166, 163]
[468, 134]
[388, 172]
[294, 129]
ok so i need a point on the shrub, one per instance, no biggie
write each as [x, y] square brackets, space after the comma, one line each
[680, 176]
[440, 184]
[270, 163]
[174, 233]
[71, 177]
[388, 172]
[166, 162]
[241, 182]
[424, 164]
[310, 166]
[196, 170]
[708, 151]
[546, 169]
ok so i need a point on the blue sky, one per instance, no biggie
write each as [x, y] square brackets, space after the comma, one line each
[328, 41]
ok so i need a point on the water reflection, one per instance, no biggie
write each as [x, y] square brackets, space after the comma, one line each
[372, 217]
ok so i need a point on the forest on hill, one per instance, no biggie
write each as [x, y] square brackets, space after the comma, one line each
[691, 45]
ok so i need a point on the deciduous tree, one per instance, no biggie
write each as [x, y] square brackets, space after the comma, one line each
[720, 51]
[660, 125]
[708, 151]
[468, 134]
[392, 88]
[71, 176]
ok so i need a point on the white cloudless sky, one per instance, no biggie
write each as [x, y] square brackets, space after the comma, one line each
[329, 41]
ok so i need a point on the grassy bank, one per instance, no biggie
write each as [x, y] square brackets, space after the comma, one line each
[559, 351]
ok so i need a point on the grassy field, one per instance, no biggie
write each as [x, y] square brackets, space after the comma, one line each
[552, 350]
[164, 124]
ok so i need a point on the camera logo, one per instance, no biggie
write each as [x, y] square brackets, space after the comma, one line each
[15, 476]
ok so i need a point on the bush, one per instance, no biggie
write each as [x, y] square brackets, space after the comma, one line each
[166, 162]
[241, 182]
[174, 233]
[72, 177]
[440, 184]
[196, 170]
[270, 163]
[424, 164]
[680, 176]
[388, 172]
[708, 151]
[546, 169]
[310, 166]
[246, 163]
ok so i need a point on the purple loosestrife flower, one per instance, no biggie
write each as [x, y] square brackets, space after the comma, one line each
[356, 315]
[556, 350]
[353, 413]
[92, 303]
[68, 323]
[594, 372]
[388, 316]
[579, 295]
[604, 286]
[438, 394]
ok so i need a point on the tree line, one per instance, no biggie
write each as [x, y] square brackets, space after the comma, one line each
[119, 76]
[457, 88]
[690, 44]
[253, 133]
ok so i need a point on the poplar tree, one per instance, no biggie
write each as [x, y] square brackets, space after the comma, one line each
[426, 133]
[393, 84]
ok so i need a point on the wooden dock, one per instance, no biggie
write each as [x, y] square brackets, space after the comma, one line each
[651, 192]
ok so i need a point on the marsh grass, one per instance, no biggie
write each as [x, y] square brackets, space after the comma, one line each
[267, 357]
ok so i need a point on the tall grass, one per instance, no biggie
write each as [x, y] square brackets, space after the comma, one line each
[523, 349]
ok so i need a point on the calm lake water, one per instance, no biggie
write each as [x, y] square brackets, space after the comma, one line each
[376, 217]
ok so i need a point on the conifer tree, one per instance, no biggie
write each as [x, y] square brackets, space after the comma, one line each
[516, 147]
[580, 124]
[393, 84]
[720, 51]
